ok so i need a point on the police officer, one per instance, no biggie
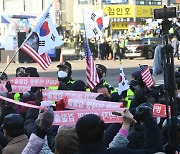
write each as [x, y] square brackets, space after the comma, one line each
[64, 74]
[101, 70]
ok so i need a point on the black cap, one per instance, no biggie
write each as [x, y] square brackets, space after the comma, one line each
[3, 76]
[136, 76]
[32, 71]
[13, 121]
[65, 64]
[20, 71]
[101, 68]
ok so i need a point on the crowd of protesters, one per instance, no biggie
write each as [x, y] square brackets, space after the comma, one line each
[114, 47]
[30, 131]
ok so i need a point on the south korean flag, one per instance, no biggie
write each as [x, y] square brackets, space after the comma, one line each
[123, 82]
[93, 22]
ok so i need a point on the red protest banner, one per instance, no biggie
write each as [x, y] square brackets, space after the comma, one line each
[70, 117]
[34, 81]
[159, 110]
[57, 95]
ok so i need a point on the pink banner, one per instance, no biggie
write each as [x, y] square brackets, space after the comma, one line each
[15, 88]
[21, 103]
[90, 104]
[70, 117]
[34, 81]
[159, 110]
[56, 95]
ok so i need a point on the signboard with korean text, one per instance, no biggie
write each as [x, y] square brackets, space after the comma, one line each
[145, 11]
[119, 25]
[116, 11]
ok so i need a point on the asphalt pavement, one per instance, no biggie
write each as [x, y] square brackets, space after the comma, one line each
[78, 67]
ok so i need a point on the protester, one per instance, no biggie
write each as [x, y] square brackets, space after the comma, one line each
[90, 130]
[175, 45]
[13, 128]
[37, 138]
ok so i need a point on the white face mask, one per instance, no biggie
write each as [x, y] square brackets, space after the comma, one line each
[62, 74]
[178, 95]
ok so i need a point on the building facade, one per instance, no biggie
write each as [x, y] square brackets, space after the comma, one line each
[68, 13]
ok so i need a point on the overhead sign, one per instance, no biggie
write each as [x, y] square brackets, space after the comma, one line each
[117, 11]
[116, 1]
[119, 25]
[145, 11]
[127, 11]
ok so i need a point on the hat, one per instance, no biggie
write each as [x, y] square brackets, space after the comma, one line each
[65, 64]
[13, 122]
[101, 68]
[67, 140]
[3, 76]
[20, 71]
[32, 71]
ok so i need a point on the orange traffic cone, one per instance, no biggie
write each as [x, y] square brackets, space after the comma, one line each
[110, 56]
[8, 59]
[61, 58]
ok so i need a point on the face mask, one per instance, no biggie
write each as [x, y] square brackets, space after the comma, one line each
[100, 75]
[178, 95]
[62, 74]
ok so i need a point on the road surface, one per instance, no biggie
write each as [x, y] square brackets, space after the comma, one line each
[78, 67]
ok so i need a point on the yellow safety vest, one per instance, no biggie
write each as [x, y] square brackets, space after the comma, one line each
[129, 97]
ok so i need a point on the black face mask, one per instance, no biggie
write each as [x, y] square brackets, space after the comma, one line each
[100, 75]
[64, 80]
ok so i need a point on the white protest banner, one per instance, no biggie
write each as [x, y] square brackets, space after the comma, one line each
[56, 95]
[15, 88]
[34, 81]
[90, 104]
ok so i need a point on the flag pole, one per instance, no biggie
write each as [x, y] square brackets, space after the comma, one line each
[22, 44]
[10, 62]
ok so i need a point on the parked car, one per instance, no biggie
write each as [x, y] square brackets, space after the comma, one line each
[142, 48]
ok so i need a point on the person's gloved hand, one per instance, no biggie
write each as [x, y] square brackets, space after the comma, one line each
[46, 119]
[143, 113]
[38, 95]
[8, 86]
[60, 105]
[44, 122]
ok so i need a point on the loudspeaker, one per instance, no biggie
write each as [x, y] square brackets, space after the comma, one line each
[23, 56]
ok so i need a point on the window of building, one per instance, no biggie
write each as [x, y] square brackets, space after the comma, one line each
[33, 5]
[13, 5]
[115, 1]
[148, 2]
[82, 2]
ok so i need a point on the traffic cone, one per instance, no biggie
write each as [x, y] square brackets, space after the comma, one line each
[61, 58]
[8, 59]
[110, 56]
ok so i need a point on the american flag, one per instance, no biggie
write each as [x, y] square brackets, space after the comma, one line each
[91, 73]
[146, 75]
[43, 60]
[41, 39]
